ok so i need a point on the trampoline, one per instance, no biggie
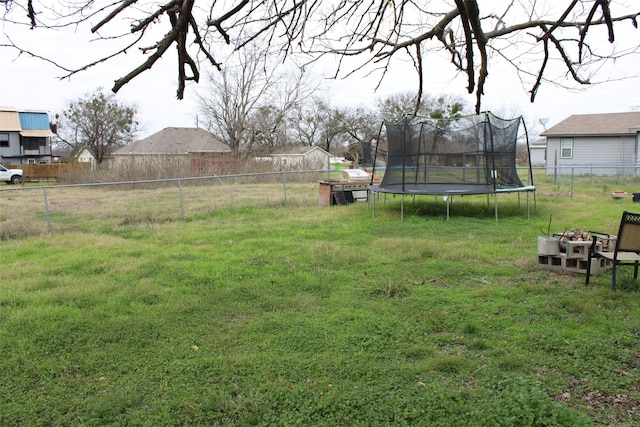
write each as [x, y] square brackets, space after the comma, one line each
[470, 155]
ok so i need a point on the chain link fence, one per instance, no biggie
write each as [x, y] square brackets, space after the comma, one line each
[617, 171]
[581, 177]
[40, 209]
[36, 209]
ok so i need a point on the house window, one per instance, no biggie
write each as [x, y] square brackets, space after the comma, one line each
[566, 148]
[4, 139]
[32, 144]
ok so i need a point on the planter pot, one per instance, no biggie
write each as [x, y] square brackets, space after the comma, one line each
[548, 245]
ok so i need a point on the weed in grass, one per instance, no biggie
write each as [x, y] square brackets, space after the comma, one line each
[143, 218]
[483, 291]
[19, 229]
[526, 402]
[470, 329]
[390, 288]
[478, 345]
[511, 362]
[448, 363]
[418, 351]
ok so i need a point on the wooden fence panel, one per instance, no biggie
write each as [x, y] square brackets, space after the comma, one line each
[54, 171]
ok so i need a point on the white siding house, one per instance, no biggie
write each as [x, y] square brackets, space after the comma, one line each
[301, 158]
[85, 156]
[599, 144]
[538, 152]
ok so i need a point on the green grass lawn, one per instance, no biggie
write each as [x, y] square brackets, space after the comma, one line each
[302, 315]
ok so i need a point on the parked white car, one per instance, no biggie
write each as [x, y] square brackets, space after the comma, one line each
[11, 176]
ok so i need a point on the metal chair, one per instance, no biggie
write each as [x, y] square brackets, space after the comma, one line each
[627, 247]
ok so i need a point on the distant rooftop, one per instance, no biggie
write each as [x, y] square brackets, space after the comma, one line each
[597, 124]
[175, 140]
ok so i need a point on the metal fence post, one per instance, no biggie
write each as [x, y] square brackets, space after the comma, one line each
[284, 186]
[572, 171]
[181, 199]
[46, 209]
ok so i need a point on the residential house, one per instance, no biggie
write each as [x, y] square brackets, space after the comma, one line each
[301, 158]
[538, 152]
[25, 137]
[85, 156]
[176, 151]
[599, 144]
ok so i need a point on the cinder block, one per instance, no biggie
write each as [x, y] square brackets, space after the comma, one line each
[580, 249]
[548, 245]
[563, 264]
[551, 262]
[600, 265]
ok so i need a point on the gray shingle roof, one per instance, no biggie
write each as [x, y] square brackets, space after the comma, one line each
[596, 124]
[176, 141]
[296, 149]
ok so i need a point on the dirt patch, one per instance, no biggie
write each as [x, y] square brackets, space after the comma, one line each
[605, 408]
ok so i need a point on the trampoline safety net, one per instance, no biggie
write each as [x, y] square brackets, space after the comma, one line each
[469, 155]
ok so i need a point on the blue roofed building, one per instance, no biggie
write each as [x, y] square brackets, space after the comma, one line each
[25, 137]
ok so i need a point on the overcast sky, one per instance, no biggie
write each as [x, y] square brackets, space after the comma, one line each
[32, 84]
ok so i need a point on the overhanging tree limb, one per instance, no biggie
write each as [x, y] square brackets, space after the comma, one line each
[180, 20]
[376, 31]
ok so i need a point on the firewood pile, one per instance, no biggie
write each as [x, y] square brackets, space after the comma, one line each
[573, 235]
[605, 242]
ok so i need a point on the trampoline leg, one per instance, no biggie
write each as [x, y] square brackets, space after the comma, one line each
[402, 208]
[447, 197]
[495, 207]
[373, 203]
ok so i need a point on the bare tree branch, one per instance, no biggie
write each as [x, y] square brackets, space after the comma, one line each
[562, 18]
[123, 5]
[180, 21]
[375, 31]
[536, 85]
[468, 39]
[217, 23]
